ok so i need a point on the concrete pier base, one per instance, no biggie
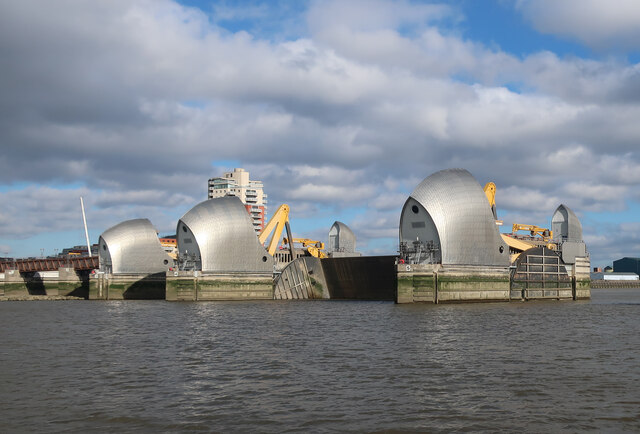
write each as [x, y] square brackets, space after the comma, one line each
[582, 278]
[14, 284]
[64, 282]
[416, 283]
[198, 286]
[127, 286]
[441, 284]
[469, 283]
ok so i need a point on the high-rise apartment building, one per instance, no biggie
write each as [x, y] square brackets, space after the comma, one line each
[237, 183]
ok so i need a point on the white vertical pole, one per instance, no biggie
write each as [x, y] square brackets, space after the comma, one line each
[86, 231]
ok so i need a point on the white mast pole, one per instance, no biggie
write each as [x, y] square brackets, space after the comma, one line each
[86, 231]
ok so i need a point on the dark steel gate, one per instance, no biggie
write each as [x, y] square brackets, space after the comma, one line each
[540, 273]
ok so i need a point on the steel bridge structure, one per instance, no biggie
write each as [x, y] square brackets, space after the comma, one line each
[50, 264]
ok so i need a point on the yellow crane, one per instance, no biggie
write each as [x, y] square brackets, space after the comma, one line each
[313, 247]
[517, 246]
[490, 192]
[534, 230]
[279, 222]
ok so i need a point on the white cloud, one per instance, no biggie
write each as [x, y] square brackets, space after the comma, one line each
[525, 199]
[135, 100]
[608, 242]
[386, 200]
[599, 24]
[372, 15]
[332, 193]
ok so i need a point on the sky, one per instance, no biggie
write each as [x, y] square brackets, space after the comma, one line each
[340, 108]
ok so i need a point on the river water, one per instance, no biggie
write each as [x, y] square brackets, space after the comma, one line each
[318, 366]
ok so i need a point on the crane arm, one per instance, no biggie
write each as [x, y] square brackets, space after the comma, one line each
[544, 233]
[276, 225]
[306, 242]
[313, 247]
[280, 222]
[490, 192]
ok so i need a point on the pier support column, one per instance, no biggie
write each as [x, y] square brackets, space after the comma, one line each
[473, 283]
[71, 282]
[14, 284]
[582, 278]
[416, 283]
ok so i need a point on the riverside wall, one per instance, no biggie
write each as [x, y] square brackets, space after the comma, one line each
[612, 284]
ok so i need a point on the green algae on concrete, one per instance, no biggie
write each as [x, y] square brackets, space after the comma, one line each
[127, 287]
[473, 283]
[198, 286]
[64, 282]
[317, 289]
[416, 283]
[582, 289]
[404, 289]
[439, 284]
[15, 289]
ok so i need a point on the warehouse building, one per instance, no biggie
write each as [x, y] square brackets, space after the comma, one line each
[627, 265]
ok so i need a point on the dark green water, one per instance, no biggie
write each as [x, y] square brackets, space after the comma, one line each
[319, 366]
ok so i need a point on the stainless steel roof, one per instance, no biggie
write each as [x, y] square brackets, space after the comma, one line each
[565, 225]
[341, 238]
[132, 247]
[220, 231]
[455, 214]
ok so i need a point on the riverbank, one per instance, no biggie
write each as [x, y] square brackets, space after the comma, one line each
[609, 284]
[37, 297]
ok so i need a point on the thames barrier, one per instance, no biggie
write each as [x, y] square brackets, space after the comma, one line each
[450, 249]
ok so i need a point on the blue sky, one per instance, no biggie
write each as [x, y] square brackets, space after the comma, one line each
[340, 108]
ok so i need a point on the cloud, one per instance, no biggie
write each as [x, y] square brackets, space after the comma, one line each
[332, 193]
[36, 210]
[134, 101]
[609, 242]
[387, 201]
[598, 24]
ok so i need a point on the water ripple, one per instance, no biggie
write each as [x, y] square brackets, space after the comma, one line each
[321, 366]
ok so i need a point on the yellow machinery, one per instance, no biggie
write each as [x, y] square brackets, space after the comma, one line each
[170, 246]
[313, 247]
[517, 246]
[490, 191]
[543, 233]
[276, 224]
